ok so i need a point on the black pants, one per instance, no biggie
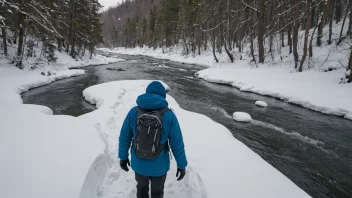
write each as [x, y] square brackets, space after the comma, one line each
[157, 184]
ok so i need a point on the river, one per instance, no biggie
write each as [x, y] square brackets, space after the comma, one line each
[312, 149]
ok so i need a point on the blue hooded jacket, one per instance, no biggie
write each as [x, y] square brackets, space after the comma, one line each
[154, 98]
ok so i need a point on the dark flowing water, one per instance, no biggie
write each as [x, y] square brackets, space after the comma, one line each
[312, 149]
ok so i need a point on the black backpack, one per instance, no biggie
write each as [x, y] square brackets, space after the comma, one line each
[149, 130]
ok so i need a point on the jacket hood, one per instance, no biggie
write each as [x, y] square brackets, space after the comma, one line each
[156, 87]
[151, 101]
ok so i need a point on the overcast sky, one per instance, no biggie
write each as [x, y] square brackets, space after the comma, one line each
[107, 3]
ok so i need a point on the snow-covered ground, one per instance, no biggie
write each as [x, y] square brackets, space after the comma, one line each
[314, 90]
[41, 155]
[44, 155]
[63, 61]
[317, 88]
[219, 165]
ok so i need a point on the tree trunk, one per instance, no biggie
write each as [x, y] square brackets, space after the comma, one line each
[240, 45]
[4, 40]
[314, 8]
[21, 34]
[261, 29]
[14, 38]
[323, 18]
[59, 44]
[72, 53]
[349, 32]
[311, 43]
[73, 9]
[305, 48]
[338, 10]
[349, 68]
[213, 44]
[229, 28]
[343, 24]
[289, 38]
[228, 52]
[331, 15]
[295, 36]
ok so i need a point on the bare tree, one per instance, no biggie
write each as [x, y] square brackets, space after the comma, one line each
[261, 29]
[306, 34]
[323, 19]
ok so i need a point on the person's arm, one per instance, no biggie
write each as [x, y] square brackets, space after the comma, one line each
[125, 138]
[176, 143]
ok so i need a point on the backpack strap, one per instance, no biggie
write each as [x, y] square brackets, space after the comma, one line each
[163, 110]
[140, 110]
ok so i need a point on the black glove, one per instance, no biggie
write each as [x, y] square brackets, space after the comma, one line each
[180, 174]
[123, 164]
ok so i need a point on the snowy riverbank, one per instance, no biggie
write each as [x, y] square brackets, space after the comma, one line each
[219, 165]
[44, 155]
[63, 156]
[317, 88]
[318, 91]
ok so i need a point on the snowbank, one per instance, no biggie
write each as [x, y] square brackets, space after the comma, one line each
[173, 54]
[219, 165]
[42, 155]
[261, 103]
[242, 117]
[14, 81]
[65, 60]
[314, 90]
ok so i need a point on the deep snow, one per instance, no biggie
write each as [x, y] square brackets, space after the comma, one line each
[44, 155]
[219, 164]
[41, 155]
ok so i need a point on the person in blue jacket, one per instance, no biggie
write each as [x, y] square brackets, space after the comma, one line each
[154, 170]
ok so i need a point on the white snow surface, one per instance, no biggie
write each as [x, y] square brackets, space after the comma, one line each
[242, 117]
[261, 103]
[318, 91]
[14, 81]
[42, 155]
[219, 164]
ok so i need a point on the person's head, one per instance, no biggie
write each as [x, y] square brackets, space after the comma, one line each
[156, 87]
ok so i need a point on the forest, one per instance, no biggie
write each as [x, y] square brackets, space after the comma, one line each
[227, 26]
[72, 26]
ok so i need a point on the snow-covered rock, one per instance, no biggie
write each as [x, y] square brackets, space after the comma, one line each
[261, 103]
[242, 117]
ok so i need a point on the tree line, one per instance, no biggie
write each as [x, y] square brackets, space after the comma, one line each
[229, 24]
[72, 26]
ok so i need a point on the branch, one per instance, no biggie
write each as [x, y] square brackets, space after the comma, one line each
[249, 6]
